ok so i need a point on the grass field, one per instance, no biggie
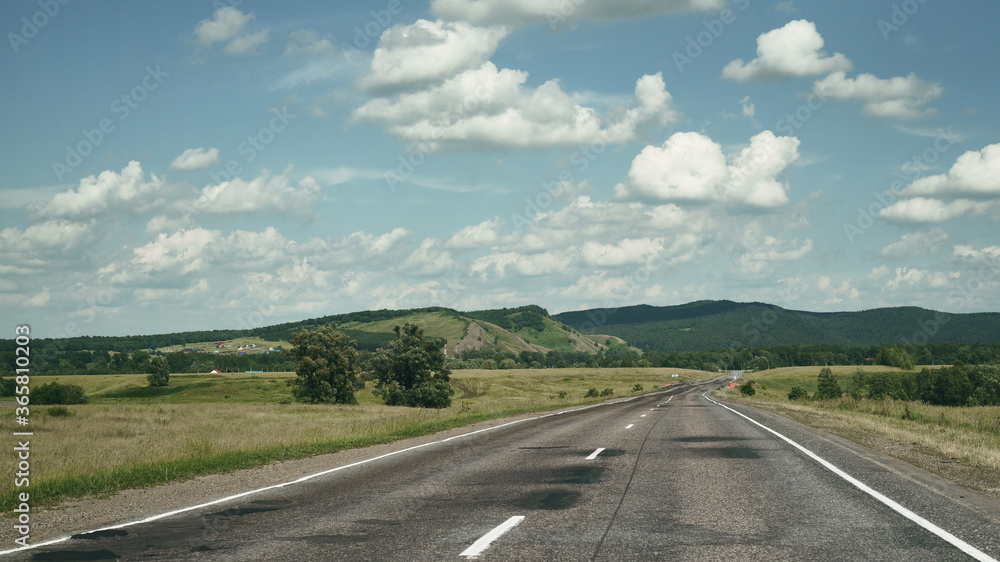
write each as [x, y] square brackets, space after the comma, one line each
[960, 443]
[131, 436]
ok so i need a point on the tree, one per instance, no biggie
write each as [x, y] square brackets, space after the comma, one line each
[798, 393]
[56, 393]
[747, 389]
[327, 366]
[411, 371]
[159, 372]
[827, 387]
[894, 356]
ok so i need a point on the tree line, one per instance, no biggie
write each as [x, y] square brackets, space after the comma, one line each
[957, 385]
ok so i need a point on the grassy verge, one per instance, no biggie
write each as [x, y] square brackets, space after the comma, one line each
[958, 443]
[132, 437]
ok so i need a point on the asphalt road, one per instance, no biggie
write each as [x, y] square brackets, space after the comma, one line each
[679, 478]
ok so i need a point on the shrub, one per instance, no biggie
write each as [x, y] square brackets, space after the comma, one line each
[637, 388]
[59, 412]
[563, 394]
[798, 393]
[607, 392]
[592, 393]
[55, 393]
[747, 389]
[827, 387]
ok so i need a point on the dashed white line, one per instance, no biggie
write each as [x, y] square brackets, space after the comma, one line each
[594, 454]
[630, 426]
[943, 534]
[484, 542]
[642, 416]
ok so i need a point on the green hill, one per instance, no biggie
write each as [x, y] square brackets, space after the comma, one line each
[709, 325]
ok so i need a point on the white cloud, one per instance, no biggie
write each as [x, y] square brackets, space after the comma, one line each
[198, 249]
[793, 50]
[835, 294]
[53, 236]
[922, 209]
[195, 159]
[901, 97]
[599, 287]
[264, 194]
[916, 244]
[127, 191]
[427, 52]
[476, 236]
[910, 277]
[227, 22]
[529, 265]
[427, 259]
[246, 44]
[488, 107]
[759, 255]
[692, 167]
[975, 173]
[309, 43]
[505, 12]
[39, 299]
[968, 253]
[625, 252]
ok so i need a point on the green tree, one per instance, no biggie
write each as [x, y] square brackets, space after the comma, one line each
[327, 366]
[798, 393]
[827, 387]
[159, 372]
[747, 389]
[894, 356]
[411, 371]
[56, 393]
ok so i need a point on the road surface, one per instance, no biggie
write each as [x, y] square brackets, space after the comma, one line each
[670, 476]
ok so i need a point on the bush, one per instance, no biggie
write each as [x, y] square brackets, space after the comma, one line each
[59, 412]
[592, 393]
[637, 388]
[607, 392]
[798, 393]
[827, 387]
[747, 389]
[55, 393]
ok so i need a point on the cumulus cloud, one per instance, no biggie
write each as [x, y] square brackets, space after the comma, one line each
[195, 159]
[922, 209]
[273, 194]
[793, 50]
[911, 277]
[692, 167]
[475, 236]
[835, 294]
[526, 264]
[625, 252]
[197, 249]
[900, 97]
[53, 236]
[504, 12]
[759, 251]
[427, 52]
[975, 173]
[126, 191]
[227, 22]
[428, 259]
[490, 108]
[915, 244]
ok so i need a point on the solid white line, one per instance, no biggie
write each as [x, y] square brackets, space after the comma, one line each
[484, 541]
[950, 538]
[302, 479]
[630, 426]
[594, 454]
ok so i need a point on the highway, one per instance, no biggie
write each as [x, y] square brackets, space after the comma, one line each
[668, 476]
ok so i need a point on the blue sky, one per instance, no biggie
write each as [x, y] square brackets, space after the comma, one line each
[198, 165]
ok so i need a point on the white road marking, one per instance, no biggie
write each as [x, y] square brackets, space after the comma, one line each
[950, 538]
[302, 479]
[594, 454]
[629, 426]
[484, 542]
[652, 409]
[642, 416]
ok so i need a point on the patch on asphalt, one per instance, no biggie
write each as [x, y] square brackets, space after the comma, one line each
[579, 475]
[708, 439]
[332, 539]
[550, 500]
[101, 534]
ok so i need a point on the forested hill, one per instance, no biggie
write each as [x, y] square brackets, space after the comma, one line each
[710, 325]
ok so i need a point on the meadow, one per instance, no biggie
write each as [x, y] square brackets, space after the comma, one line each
[131, 435]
